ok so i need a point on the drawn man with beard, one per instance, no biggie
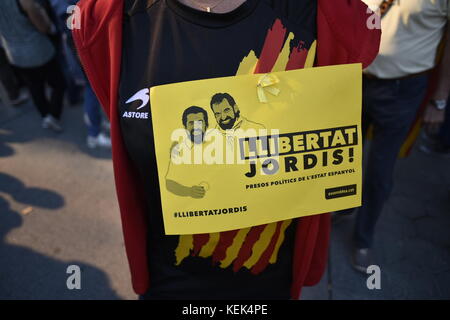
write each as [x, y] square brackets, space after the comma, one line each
[228, 115]
[230, 123]
[195, 121]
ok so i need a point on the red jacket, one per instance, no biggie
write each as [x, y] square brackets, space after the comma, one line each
[343, 37]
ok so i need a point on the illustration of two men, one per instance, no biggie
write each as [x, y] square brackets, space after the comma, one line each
[195, 122]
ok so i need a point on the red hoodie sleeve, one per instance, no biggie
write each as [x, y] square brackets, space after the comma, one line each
[93, 47]
[99, 45]
[344, 37]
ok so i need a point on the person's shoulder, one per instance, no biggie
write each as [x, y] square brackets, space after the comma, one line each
[97, 9]
[92, 17]
[249, 124]
[132, 7]
[294, 11]
[258, 125]
[97, 16]
[347, 33]
[287, 5]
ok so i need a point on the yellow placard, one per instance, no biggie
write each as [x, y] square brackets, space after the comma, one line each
[247, 150]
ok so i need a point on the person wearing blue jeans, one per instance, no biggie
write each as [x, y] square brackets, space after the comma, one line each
[93, 120]
[394, 88]
[72, 70]
[390, 106]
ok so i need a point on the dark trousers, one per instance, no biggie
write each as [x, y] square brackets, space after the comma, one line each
[37, 79]
[391, 107]
[92, 109]
[8, 76]
[444, 135]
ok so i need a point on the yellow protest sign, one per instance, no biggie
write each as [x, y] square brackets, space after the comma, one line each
[247, 150]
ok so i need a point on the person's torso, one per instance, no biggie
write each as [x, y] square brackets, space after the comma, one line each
[411, 33]
[25, 46]
[166, 43]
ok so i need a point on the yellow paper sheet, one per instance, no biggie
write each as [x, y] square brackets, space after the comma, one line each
[287, 144]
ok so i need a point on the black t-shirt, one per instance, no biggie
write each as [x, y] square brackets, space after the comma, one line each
[166, 42]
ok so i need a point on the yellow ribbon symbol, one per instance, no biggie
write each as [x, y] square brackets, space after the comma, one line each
[266, 83]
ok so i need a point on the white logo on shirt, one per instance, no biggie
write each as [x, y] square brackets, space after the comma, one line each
[143, 96]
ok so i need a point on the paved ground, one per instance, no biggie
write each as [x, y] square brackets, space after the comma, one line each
[412, 246]
[55, 176]
[74, 219]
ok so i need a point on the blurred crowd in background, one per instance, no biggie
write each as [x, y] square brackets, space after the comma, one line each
[38, 61]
